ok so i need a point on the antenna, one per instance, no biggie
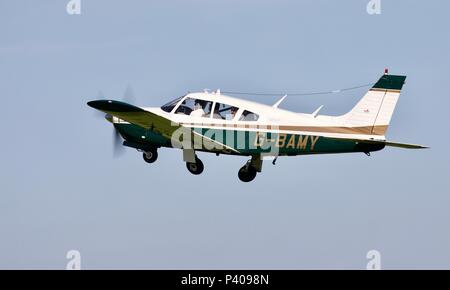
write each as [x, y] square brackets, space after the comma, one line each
[316, 112]
[279, 101]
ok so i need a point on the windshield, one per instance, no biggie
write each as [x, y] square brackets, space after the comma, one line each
[171, 105]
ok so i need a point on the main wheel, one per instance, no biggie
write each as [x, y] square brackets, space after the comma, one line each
[195, 168]
[247, 173]
[150, 156]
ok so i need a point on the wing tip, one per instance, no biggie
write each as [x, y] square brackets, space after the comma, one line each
[98, 104]
[113, 106]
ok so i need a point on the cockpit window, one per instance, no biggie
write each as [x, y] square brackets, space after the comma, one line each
[171, 105]
[249, 116]
[195, 108]
[224, 112]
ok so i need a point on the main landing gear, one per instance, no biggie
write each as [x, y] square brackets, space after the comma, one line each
[249, 171]
[246, 173]
[195, 168]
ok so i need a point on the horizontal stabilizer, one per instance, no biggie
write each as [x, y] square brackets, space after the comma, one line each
[404, 145]
[384, 142]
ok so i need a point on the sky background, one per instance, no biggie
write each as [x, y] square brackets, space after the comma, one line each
[61, 188]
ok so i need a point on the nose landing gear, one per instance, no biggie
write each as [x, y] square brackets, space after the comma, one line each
[150, 156]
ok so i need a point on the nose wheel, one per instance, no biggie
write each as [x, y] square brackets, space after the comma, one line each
[195, 168]
[150, 156]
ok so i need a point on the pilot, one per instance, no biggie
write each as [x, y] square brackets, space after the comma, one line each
[233, 112]
[198, 109]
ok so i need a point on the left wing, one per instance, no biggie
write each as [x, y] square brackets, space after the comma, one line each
[137, 116]
[154, 122]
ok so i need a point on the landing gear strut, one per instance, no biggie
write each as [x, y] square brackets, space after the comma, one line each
[150, 156]
[195, 168]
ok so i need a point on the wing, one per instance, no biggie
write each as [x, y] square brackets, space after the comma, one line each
[137, 116]
[154, 122]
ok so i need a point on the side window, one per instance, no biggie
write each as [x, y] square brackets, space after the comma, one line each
[195, 108]
[224, 112]
[249, 116]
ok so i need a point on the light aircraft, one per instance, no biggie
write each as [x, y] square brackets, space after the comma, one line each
[216, 123]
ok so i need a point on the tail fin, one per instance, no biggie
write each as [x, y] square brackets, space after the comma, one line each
[375, 109]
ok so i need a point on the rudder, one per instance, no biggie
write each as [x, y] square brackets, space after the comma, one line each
[375, 109]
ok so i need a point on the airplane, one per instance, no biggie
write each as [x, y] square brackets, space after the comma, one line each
[216, 123]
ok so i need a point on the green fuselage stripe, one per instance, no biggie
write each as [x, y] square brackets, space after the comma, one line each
[250, 142]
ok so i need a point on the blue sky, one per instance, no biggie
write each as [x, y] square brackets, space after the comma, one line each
[62, 189]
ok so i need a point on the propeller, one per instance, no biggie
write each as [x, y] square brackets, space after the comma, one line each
[99, 114]
[118, 149]
[127, 97]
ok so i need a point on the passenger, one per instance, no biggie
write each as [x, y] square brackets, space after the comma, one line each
[217, 114]
[233, 112]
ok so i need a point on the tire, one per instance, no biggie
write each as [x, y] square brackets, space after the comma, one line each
[247, 173]
[150, 156]
[195, 168]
